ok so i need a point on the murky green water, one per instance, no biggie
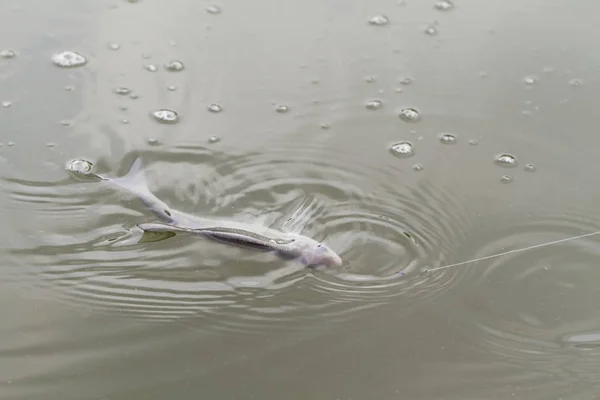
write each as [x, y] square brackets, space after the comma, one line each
[471, 126]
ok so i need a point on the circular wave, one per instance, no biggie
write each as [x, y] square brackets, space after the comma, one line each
[525, 307]
[373, 216]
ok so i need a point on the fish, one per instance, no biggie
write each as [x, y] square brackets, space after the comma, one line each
[287, 245]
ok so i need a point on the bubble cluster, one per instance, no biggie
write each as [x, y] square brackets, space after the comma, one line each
[379, 20]
[68, 59]
[409, 115]
[166, 116]
[506, 160]
[402, 149]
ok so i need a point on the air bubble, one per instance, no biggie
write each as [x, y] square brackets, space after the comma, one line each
[448, 138]
[506, 179]
[431, 30]
[530, 168]
[409, 115]
[576, 82]
[214, 139]
[473, 142]
[172, 88]
[213, 9]
[443, 5]
[6, 104]
[506, 160]
[174, 66]
[407, 81]
[282, 109]
[123, 91]
[370, 79]
[8, 53]
[166, 116]
[69, 59]
[403, 149]
[530, 80]
[379, 20]
[373, 104]
[114, 46]
[79, 166]
[214, 108]
[151, 67]
[153, 142]
[418, 167]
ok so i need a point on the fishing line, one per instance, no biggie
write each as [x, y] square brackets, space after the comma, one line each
[513, 251]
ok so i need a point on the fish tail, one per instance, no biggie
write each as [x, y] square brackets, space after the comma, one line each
[134, 178]
[134, 182]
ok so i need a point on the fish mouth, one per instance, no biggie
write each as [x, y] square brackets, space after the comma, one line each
[336, 261]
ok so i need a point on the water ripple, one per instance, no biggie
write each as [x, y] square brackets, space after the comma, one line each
[380, 226]
[526, 307]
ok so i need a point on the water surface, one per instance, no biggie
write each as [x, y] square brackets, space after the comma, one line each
[291, 110]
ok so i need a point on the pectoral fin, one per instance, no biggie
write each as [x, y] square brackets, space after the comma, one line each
[150, 236]
[155, 232]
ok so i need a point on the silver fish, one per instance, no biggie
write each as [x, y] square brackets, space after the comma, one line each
[287, 245]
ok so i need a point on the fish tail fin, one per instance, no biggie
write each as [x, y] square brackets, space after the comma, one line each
[134, 178]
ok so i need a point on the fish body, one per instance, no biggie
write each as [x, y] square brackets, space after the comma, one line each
[288, 245]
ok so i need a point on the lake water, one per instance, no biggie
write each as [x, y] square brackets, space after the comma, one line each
[405, 135]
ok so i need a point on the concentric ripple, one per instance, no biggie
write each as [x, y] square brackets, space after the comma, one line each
[385, 230]
[526, 307]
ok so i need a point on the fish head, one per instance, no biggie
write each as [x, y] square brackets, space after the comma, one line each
[313, 253]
